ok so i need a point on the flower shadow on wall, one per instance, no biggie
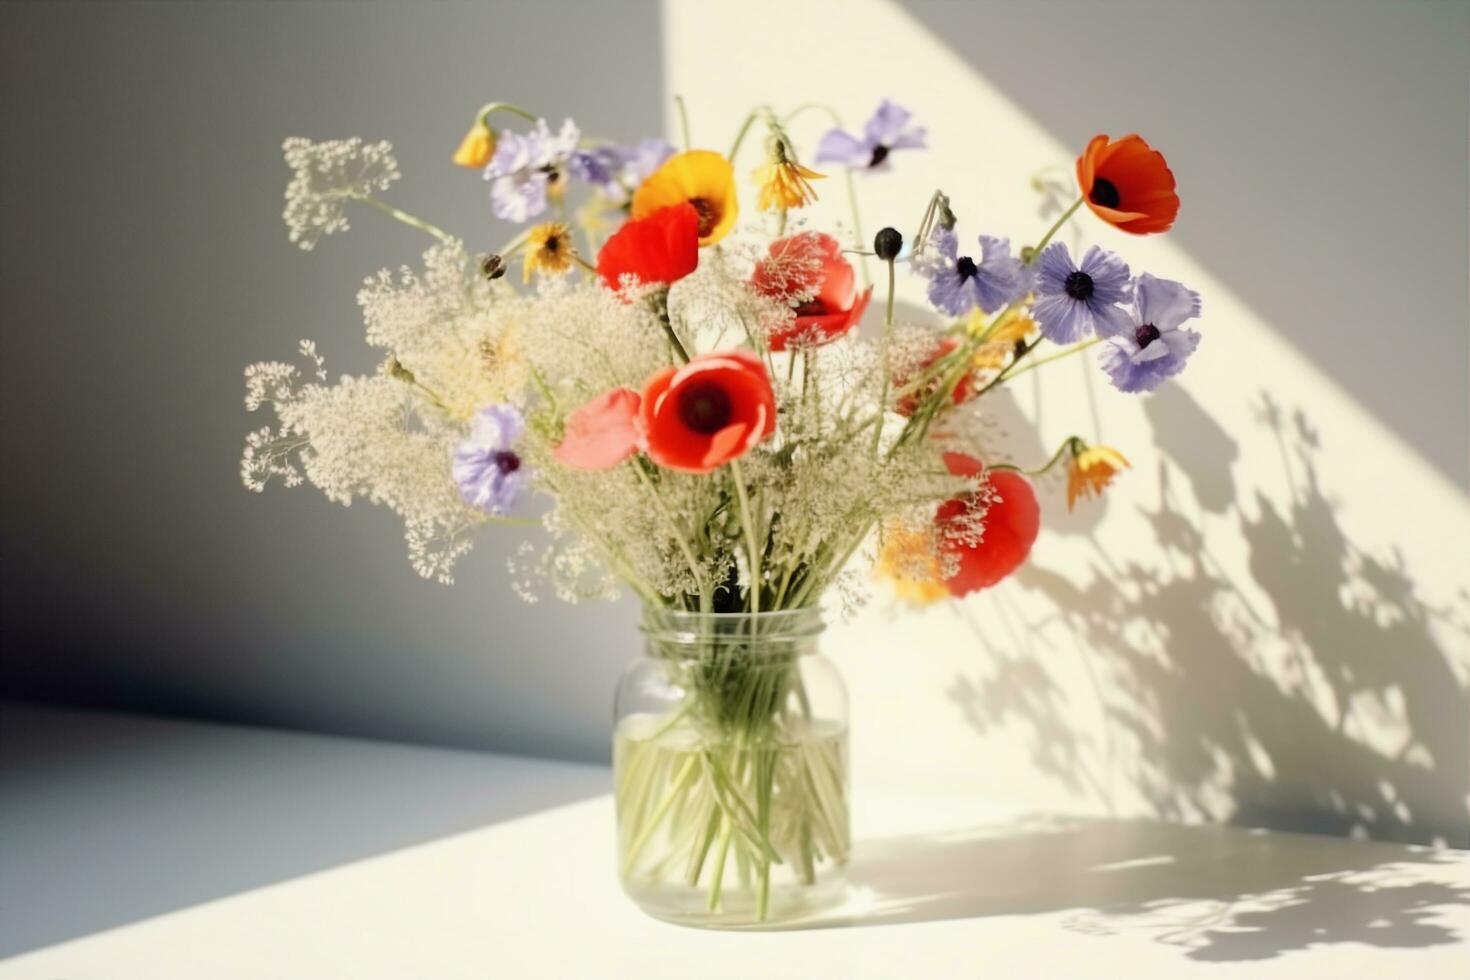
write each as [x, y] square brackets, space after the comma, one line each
[1336, 706]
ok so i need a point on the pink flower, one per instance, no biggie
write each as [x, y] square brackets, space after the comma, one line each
[602, 433]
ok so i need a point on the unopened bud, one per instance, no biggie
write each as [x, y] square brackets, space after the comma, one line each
[492, 266]
[887, 244]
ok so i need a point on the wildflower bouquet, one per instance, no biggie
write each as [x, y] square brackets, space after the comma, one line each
[692, 396]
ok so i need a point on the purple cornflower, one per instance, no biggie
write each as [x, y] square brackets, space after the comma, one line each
[1154, 347]
[1072, 301]
[958, 284]
[529, 168]
[486, 468]
[617, 170]
[887, 131]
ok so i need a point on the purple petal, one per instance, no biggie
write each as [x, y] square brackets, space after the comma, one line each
[1063, 320]
[838, 146]
[1164, 303]
[1110, 319]
[1055, 263]
[1109, 274]
[948, 295]
[886, 126]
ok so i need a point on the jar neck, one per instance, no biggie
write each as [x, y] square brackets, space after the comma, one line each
[781, 633]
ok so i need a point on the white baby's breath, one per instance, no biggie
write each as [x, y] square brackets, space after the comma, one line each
[325, 176]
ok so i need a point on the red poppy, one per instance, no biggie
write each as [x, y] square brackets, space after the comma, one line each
[602, 433]
[659, 249]
[1127, 184]
[703, 414]
[811, 264]
[910, 402]
[1011, 522]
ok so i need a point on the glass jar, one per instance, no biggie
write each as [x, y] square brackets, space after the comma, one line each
[730, 764]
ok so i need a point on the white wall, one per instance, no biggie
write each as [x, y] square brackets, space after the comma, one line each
[1266, 621]
[1239, 598]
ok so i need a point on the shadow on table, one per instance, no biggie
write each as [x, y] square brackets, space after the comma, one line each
[108, 819]
[1217, 893]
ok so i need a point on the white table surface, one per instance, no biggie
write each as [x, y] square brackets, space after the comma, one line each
[153, 849]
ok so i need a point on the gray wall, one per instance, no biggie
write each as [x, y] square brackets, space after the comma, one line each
[143, 263]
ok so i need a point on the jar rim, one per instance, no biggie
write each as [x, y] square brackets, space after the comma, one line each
[688, 627]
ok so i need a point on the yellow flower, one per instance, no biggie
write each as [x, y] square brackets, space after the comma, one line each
[549, 249]
[909, 562]
[783, 181]
[704, 179]
[1001, 344]
[1092, 469]
[477, 147]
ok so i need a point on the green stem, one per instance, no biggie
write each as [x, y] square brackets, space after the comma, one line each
[1057, 226]
[1067, 352]
[1070, 442]
[740, 135]
[408, 219]
[490, 108]
[883, 365]
[752, 543]
[674, 527]
[857, 228]
[661, 309]
[683, 121]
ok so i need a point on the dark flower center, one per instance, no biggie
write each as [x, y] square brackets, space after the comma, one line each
[1104, 193]
[965, 267]
[1079, 286]
[506, 461]
[552, 244]
[705, 408]
[707, 215]
[880, 153]
[552, 174]
[1146, 334]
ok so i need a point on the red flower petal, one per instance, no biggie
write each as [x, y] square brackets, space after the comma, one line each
[659, 249]
[1011, 522]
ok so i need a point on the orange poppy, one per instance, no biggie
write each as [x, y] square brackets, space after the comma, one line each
[1127, 184]
[701, 415]
[1011, 522]
[659, 249]
[811, 265]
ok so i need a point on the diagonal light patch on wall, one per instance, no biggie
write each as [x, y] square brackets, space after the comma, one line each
[1266, 621]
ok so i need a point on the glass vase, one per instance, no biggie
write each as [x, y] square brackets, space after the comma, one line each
[730, 763]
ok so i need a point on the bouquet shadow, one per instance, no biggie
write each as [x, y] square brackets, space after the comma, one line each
[1217, 893]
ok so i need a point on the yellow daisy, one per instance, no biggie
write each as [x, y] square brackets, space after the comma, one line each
[704, 179]
[549, 250]
[1092, 469]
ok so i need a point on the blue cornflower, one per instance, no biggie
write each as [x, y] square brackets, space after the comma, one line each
[1073, 301]
[887, 131]
[486, 468]
[958, 284]
[1154, 347]
[528, 169]
[617, 170]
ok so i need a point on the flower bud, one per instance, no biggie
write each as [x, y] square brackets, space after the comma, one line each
[492, 266]
[477, 147]
[887, 244]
